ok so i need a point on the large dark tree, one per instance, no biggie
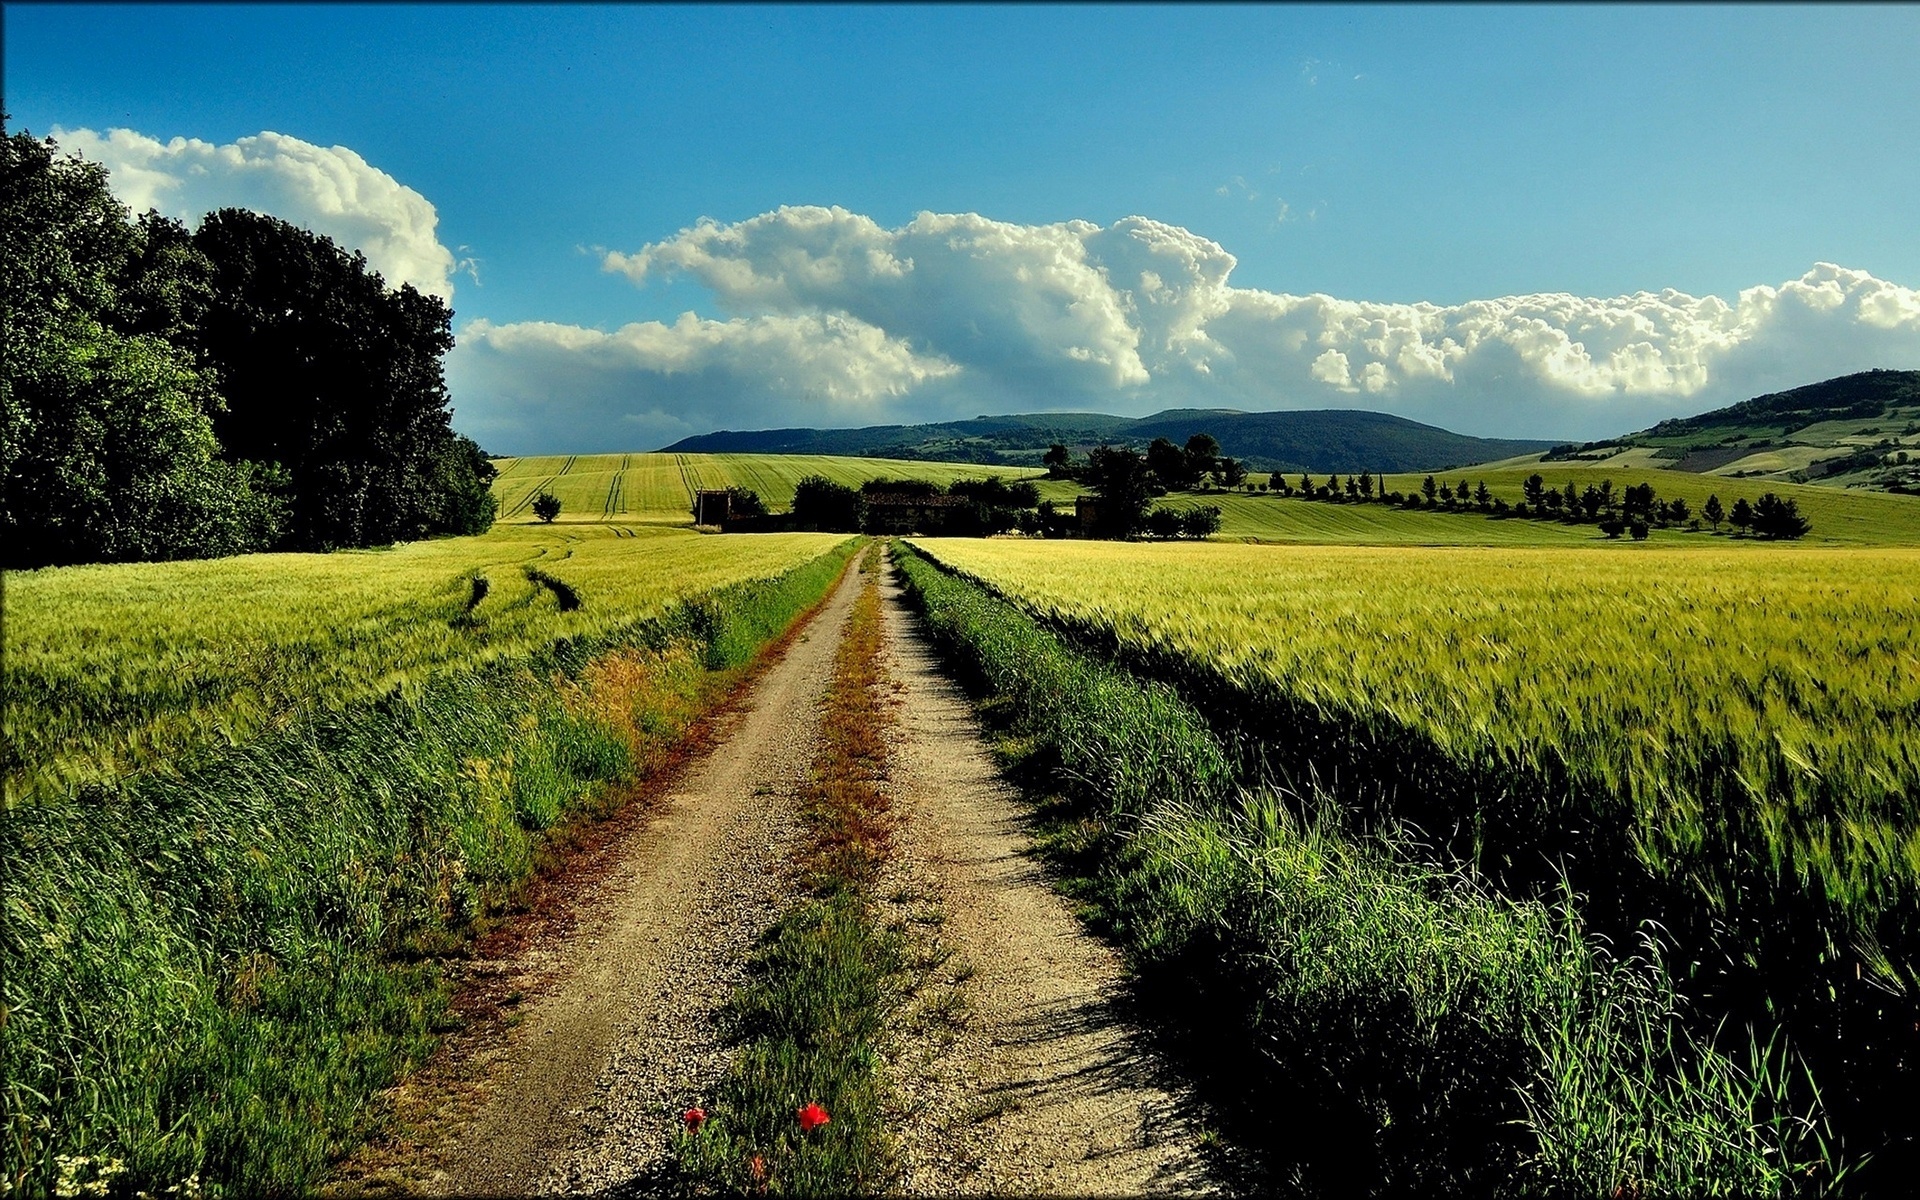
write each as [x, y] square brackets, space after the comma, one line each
[1774, 517]
[337, 378]
[107, 449]
[1169, 465]
[819, 503]
[1202, 454]
[1125, 486]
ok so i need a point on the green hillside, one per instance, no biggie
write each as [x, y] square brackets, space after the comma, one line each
[1316, 440]
[1856, 431]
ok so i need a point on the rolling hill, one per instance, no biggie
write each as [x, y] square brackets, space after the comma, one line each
[1855, 431]
[1308, 440]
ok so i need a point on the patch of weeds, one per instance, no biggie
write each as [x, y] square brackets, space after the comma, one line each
[824, 981]
[947, 1006]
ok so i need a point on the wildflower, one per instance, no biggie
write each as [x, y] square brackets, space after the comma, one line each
[812, 1117]
[695, 1118]
[757, 1167]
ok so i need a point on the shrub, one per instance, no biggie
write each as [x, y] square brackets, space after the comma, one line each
[1200, 521]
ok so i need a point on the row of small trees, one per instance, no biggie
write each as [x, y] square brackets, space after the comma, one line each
[1636, 509]
[244, 385]
[991, 505]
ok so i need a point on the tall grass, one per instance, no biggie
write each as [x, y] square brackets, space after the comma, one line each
[1371, 1022]
[210, 970]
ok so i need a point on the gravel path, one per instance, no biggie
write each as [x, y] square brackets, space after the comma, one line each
[1041, 1087]
[623, 1033]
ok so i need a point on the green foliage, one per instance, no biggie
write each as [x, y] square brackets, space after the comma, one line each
[546, 506]
[106, 443]
[995, 492]
[1776, 518]
[1058, 460]
[1169, 465]
[246, 386]
[211, 969]
[746, 502]
[1194, 521]
[337, 378]
[1200, 521]
[1847, 517]
[819, 503]
[1125, 486]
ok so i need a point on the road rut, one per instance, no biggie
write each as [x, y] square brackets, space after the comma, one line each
[1046, 1088]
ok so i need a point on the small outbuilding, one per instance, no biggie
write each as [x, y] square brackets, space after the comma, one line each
[712, 508]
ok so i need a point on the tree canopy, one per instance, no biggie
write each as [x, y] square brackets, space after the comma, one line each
[247, 385]
[1126, 487]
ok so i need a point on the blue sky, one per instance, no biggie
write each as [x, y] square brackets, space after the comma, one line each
[1377, 157]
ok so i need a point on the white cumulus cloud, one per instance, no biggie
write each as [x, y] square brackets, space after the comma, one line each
[838, 319]
[835, 319]
[332, 191]
[1140, 315]
[648, 383]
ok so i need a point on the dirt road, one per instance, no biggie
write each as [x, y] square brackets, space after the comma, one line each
[1037, 1087]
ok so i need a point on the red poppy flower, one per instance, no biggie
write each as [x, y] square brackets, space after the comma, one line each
[695, 1118]
[812, 1117]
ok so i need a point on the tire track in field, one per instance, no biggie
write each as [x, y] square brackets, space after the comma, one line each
[689, 479]
[526, 499]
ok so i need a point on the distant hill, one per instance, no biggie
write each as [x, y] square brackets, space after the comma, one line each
[1312, 440]
[1854, 431]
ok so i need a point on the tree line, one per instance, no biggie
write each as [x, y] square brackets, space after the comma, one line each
[183, 393]
[1635, 510]
[1127, 481]
[1173, 468]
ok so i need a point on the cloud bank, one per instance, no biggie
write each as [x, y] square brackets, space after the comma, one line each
[330, 191]
[836, 319]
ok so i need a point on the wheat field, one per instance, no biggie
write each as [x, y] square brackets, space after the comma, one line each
[109, 668]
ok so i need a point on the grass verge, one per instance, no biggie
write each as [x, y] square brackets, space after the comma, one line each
[211, 971]
[1369, 1023]
[810, 1020]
